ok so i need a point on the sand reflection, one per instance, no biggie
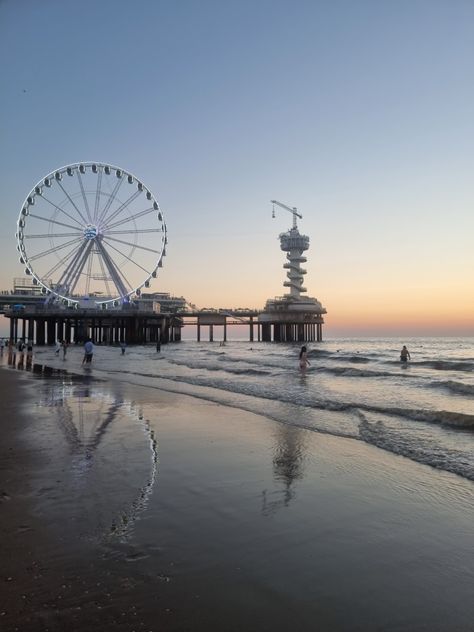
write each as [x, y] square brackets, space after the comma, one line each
[288, 467]
[111, 456]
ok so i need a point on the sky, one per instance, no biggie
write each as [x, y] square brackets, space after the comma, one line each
[359, 113]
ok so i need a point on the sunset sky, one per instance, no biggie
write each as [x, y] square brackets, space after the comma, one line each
[360, 113]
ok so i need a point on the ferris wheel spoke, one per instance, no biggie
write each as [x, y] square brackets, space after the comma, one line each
[115, 274]
[122, 254]
[104, 273]
[53, 221]
[61, 210]
[70, 199]
[60, 263]
[76, 273]
[55, 249]
[97, 195]
[134, 232]
[86, 204]
[68, 271]
[129, 243]
[39, 236]
[123, 206]
[110, 200]
[128, 219]
[89, 270]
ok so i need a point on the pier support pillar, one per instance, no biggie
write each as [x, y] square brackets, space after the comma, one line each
[51, 331]
[199, 332]
[211, 333]
[31, 330]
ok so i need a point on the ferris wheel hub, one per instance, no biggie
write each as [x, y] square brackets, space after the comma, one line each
[91, 231]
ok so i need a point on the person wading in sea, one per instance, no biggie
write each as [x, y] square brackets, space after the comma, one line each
[404, 354]
[304, 362]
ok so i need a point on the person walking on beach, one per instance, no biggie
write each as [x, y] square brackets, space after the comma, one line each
[2, 346]
[58, 347]
[304, 362]
[88, 351]
[64, 346]
[158, 346]
[404, 354]
[123, 346]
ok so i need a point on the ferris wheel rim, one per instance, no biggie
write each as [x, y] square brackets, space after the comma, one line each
[52, 175]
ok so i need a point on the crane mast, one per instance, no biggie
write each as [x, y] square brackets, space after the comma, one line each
[292, 210]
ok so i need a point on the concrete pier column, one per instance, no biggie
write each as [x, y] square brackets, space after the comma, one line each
[166, 331]
[23, 328]
[60, 329]
[67, 333]
[199, 332]
[211, 333]
[51, 331]
[251, 329]
[225, 330]
[12, 329]
[31, 330]
[40, 331]
[266, 332]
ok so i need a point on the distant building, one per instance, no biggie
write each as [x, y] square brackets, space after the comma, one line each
[27, 286]
[168, 304]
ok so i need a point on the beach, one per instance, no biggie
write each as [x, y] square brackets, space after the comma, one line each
[131, 508]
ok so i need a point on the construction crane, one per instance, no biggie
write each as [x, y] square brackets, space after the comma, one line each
[293, 210]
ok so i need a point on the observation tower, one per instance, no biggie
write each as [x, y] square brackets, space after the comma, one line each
[293, 317]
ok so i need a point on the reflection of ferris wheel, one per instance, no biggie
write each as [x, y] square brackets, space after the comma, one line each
[91, 230]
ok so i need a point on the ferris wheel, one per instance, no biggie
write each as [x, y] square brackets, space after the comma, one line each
[91, 230]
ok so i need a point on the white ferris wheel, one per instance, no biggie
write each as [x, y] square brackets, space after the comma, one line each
[92, 230]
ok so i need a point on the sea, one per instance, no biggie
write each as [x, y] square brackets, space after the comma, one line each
[355, 388]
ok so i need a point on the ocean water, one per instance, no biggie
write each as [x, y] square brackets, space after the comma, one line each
[354, 388]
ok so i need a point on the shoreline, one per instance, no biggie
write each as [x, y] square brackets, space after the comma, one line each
[173, 513]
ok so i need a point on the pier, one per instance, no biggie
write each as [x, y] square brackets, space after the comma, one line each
[139, 324]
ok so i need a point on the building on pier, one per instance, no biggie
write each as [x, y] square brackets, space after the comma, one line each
[293, 317]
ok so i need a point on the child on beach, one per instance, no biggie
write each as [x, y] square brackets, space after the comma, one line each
[64, 346]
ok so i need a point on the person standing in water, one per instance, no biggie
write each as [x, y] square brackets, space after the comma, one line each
[404, 354]
[304, 362]
[88, 351]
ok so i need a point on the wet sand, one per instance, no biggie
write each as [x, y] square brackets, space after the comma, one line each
[128, 508]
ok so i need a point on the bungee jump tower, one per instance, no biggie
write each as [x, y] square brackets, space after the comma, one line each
[292, 317]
